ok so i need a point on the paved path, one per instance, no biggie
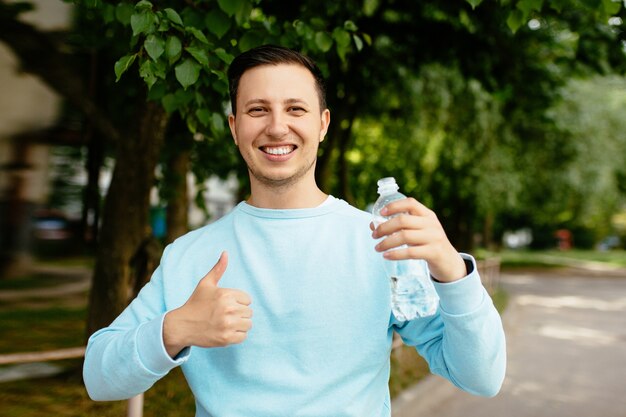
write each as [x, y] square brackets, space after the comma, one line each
[566, 343]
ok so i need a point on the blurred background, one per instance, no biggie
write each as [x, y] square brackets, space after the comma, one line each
[506, 118]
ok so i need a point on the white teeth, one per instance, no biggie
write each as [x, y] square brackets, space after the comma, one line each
[278, 150]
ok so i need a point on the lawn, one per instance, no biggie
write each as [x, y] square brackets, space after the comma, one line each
[512, 259]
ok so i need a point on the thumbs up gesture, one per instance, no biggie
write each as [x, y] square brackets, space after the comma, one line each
[211, 317]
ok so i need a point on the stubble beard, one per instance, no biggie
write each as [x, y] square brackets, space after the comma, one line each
[281, 183]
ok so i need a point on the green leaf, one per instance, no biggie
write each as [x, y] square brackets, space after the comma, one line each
[143, 5]
[242, 15]
[198, 35]
[173, 48]
[224, 56]
[249, 40]
[558, 5]
[350, 26]
[157, 91]
[200, 54]
[474, 3]
[317, 23]
[123, 12]
[592, 4]
[170, 104]
[173, 16]
[146, 72]
[107, 11]
[154, 46]
[160, 68]
[367, 38]
[323, 41]
[217, 22]
[142, 22]
[515, 20]
[187, 72]
[217, 122]
[611, 7]
[191, 124]
[185, 97]
[300, 27]
[220, 84]
[528, 6]
[122, 65]
[230, 7]
[358, 42]
[341, 37]
[204, 116]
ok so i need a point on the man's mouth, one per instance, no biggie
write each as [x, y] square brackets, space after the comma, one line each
[278, 150]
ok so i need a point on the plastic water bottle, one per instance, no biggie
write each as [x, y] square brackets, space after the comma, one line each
[412, 291]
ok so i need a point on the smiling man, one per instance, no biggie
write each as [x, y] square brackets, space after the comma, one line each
[278, 126]
[294, 318]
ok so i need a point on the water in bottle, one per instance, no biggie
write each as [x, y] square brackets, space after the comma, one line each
[412, 291]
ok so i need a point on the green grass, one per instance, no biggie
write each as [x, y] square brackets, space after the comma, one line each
[41, 329]
[65, 395]
[515, 259]
[613, 257]
[85, 261]
[30, 281]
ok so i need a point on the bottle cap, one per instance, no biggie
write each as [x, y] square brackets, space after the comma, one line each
[387, 185]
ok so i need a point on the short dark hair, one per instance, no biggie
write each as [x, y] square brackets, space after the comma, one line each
[272, 55]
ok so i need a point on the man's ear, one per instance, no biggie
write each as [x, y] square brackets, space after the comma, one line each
[233, 130]
[325, 123]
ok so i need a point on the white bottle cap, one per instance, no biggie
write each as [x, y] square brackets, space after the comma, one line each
[387, 186]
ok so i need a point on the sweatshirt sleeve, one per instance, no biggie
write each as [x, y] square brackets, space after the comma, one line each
[128, 357]
[464, 342]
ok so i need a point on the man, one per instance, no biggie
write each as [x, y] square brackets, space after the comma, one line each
[305, 263]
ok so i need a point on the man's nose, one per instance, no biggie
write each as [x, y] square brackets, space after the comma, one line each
[277, 126]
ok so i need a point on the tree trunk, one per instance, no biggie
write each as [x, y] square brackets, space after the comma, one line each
[344, 168]
[125, 218]
[91, 194]
[323, 168]
[90, 218]
[178, 203]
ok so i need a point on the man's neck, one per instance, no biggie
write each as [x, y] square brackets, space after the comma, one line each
[304, 194]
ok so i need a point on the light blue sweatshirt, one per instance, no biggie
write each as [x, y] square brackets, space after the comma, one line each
[322, 325]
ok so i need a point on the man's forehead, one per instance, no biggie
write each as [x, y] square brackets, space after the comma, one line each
[279, 70]
[290, 81]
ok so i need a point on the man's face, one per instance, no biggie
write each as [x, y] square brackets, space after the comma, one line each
[278, 125]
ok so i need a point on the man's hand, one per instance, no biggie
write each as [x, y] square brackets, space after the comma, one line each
[418, 228]
[211, 317]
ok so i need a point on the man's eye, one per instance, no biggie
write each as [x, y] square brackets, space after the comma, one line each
[256, 110]
[297, 110]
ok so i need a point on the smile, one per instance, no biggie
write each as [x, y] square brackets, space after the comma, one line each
[278, 150]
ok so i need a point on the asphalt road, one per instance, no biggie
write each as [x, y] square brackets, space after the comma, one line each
[566, 345]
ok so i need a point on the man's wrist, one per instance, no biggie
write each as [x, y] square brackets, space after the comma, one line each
[172, 340]
[454, 269]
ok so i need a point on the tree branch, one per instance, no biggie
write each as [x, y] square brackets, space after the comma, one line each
[40, 56]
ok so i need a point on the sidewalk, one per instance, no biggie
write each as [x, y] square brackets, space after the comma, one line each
[566, 344]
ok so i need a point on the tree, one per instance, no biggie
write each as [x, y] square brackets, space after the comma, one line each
[443, 86]
[180, 51]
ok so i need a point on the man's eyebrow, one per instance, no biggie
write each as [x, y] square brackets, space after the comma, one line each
[255, 101]
[264, 101]
[296, 100]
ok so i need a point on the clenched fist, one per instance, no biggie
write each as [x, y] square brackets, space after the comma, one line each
[211, 317]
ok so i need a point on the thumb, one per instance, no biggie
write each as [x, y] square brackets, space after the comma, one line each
[215, 274]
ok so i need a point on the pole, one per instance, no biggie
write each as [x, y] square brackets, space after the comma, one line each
[135, 406]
